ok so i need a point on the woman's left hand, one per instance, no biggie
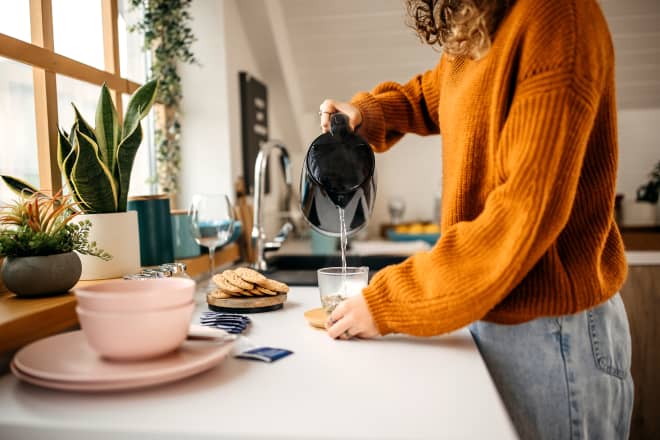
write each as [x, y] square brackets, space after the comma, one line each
[351, 318]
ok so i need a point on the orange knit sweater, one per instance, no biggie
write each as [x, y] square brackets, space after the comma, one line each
[529, 163]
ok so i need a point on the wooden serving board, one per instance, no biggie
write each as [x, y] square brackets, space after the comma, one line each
[248, 304]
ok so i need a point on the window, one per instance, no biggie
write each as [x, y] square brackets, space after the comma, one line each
[78, 30]
[144, 167]
[54, 53]
[19, 142]
[15, 19]
[132, 58]
[84, 95]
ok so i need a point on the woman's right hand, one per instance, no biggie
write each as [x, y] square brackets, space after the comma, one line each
[330, 106]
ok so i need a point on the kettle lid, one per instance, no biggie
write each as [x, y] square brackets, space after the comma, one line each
[340, 160]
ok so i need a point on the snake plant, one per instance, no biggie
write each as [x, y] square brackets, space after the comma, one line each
[97, 162]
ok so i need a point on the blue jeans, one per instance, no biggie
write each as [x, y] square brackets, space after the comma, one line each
[565, 377]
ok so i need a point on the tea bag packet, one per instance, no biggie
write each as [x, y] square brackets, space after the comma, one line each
[264, 354]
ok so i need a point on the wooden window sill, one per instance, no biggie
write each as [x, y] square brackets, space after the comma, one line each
[23, 320]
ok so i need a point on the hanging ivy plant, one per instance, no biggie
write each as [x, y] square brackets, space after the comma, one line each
[168, 37]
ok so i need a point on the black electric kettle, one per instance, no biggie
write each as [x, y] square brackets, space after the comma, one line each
[339, 172]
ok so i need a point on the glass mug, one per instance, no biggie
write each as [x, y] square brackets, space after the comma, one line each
[335, 285]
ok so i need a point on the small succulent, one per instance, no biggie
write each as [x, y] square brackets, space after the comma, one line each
[37, 225]
[650, 191]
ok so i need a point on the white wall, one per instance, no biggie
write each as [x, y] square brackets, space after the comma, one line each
[211, 124]
[205, 134]
[639, 148]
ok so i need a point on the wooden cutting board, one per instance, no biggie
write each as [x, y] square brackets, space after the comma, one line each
[254, 304]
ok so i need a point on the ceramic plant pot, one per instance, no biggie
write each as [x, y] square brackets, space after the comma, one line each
[41, 276]
[117, 234]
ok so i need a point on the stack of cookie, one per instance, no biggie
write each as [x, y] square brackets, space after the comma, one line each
[245, 282]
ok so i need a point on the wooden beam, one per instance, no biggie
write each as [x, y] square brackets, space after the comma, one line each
[45, 98]
[36, 56]
[41, 23]
[45, 108]
[111, 47]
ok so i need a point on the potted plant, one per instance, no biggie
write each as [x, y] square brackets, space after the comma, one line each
[38, 240]
[650, 191]
[96, 164]
[644, 211]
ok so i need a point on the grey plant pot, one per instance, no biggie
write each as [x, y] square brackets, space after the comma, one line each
[41, 276]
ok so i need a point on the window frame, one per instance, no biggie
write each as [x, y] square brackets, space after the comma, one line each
[46, 64]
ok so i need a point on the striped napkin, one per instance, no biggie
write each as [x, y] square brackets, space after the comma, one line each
[229, 322]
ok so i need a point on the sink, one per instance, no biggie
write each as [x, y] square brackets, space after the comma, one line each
[300, 270]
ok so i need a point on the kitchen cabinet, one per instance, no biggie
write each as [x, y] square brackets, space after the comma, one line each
[641, 296]
[641, 238]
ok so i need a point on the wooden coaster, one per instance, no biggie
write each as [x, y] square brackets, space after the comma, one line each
[316, 318]
[246, 304]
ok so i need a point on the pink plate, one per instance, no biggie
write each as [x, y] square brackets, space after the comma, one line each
[103, 386]
[66, 361]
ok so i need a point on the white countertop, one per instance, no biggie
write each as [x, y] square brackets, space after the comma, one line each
[397, 387]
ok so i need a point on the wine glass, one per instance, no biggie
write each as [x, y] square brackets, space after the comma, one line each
[212, 218]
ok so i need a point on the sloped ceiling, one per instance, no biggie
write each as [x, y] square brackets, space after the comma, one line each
[341, 46]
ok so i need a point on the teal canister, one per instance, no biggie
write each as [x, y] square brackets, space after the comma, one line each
[184, 242]
[155, 225]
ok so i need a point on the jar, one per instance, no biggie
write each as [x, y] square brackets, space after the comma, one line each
[176, 270]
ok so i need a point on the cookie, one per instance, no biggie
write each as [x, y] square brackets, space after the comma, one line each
[241, 294]
[220, 281]
[232, 278]
[220, 294]
[264, 291]
[246, 292]
[274, 285]
[249, 275]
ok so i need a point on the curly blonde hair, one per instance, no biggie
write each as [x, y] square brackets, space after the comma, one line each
[461, 27]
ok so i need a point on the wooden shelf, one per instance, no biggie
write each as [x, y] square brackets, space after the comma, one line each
[23, 320]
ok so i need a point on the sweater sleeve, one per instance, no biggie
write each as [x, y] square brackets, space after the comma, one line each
[392, 110]
[476, 263]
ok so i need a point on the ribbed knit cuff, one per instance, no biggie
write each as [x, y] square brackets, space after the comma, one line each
[373, 121]
[375, 296]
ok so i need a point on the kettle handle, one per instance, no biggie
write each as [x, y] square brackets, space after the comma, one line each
[339, 125]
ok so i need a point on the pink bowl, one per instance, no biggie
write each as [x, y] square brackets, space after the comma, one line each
[135, 336]
[135, 295]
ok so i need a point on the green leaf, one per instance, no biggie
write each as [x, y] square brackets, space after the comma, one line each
[20, 187]
[66, 156]
[139, 106]
[91, 178]
[82, 125]
[64, 149]
[72, 133]
[107, 128]
[125, 158]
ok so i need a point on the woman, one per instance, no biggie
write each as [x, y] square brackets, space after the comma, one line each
[529, 255]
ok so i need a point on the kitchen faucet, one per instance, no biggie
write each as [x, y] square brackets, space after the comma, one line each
[258, 238]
